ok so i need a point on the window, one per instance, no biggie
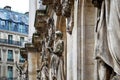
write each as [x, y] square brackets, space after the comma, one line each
[10, 27]
[26, 29]
[10, 73]
[2, 23]
[20, 28]
[10, 55]
[21, 41]
[10, 39]
[15, 27]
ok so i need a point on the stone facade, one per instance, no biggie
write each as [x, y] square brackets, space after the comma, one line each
[76, 20]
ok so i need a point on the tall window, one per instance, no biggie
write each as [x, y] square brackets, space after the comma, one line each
[2, 24]
[10, 39]
[10, 27]
[10, 55]
[10, 73]
[21, 41]
[15, 27]
[20, 28]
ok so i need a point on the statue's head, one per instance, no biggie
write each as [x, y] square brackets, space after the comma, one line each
[58, 34]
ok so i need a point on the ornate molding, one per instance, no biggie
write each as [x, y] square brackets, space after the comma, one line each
[40, 21]
[16, 51]
[36, 40]
[58, 9]
[4, 49]
[66, 9]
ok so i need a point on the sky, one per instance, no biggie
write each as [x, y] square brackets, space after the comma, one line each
[21, 6]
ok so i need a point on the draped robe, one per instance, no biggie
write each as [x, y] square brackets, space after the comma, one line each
[107, 43]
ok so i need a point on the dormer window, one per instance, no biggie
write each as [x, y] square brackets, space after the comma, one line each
[2, 23]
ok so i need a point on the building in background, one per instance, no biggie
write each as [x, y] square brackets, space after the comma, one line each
[13, 34]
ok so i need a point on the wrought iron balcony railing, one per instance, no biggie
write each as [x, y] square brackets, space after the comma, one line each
[10, 60]
[11, 42]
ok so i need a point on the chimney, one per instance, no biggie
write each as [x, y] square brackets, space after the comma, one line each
[27, 13]
[7, 8]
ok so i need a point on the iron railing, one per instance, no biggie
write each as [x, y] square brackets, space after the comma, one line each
[10, 60]
[11, 42]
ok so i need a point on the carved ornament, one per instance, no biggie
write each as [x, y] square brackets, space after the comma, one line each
[66, 9]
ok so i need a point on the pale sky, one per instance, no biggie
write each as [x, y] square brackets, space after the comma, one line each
[21, 6]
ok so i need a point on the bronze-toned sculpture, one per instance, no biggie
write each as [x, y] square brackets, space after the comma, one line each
[107, 46]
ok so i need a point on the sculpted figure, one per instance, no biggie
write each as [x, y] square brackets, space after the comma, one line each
[57, 6]
[22, 71]
[67, 11]
[107, 45]
[51, 32]
[44, 70]
[56, 62]
[19, 71]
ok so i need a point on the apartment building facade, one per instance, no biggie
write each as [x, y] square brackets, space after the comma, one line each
[13, 35]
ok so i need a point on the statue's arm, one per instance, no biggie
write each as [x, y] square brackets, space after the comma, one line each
[59, 47]
[18, 67]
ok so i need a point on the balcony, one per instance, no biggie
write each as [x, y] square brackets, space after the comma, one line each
[10, 60]
[10, 42]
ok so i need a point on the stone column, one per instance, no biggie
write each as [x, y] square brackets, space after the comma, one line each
[85, 40]
[72, 53]
[32, 61]
[80, 45]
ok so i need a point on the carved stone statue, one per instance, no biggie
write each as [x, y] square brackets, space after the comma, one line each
[51, 31]
[44, 70]
[67, 11]
[22, 71]
[107, 45]
[56, 62]
[57, 6]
